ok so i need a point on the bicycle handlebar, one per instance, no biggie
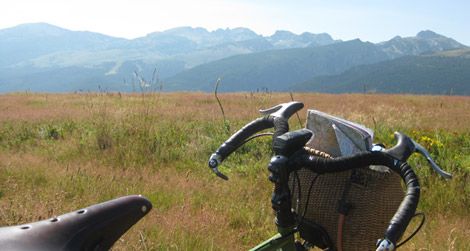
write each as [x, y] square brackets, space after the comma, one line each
[276, 117]
[395, 158]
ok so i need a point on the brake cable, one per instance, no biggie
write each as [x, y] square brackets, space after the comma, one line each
[423, 219]
[256, 136]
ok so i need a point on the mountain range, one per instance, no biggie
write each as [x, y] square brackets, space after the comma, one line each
[43, 57]
[446, 72]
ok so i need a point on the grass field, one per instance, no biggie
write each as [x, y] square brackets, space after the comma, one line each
[61, 152]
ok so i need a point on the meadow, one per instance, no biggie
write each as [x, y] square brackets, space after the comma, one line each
[62, 152]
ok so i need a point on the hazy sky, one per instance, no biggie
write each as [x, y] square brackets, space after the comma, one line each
[370, 20]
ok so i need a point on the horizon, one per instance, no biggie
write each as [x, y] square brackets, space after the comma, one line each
[373, 21]
[221, 28]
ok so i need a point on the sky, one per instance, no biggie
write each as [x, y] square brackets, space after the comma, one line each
[369, 20]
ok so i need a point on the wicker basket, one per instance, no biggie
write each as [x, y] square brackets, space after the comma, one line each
[374, 197]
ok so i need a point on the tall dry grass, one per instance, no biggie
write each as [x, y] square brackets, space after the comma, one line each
[60, 152]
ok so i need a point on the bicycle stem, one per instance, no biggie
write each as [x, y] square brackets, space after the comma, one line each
[280, 200]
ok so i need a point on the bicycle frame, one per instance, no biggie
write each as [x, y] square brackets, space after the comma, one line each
[284, 240]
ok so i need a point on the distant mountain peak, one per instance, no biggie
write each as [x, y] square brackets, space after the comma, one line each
[283, 34]
[38, 25]
[428, 34]
[237, 30]
[37, 28]
[283, 39]
[425, 42]
[356, 41]
[186, 29]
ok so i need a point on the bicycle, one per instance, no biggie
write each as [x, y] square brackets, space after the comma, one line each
[291, 156]
[96, 227]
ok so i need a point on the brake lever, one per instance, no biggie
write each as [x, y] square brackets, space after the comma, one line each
[219, 174]
[284, 110]
[214, 162]
[405, 147]
[271, 110]
[421, 150]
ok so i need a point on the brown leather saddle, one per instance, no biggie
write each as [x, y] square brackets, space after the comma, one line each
[96, 227]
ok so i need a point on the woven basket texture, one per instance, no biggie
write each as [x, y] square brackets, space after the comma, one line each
[374, 196]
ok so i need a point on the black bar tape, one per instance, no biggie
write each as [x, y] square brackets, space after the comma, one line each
[325, 165]
[407, 208]
[281, 126]
[241, 135]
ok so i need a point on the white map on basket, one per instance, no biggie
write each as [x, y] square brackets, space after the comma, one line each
[337, 136]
